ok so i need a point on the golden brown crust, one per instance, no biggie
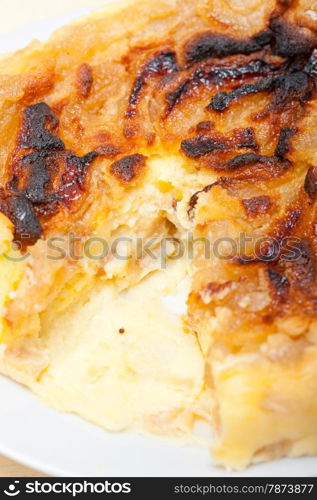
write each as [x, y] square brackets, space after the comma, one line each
[84, 80]
[128, 168]
[180, 91]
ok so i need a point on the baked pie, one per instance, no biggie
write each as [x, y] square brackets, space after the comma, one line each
[156, 150]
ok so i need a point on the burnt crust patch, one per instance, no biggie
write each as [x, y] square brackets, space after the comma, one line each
[291, 40]
[27, 228]
[310, 183]
[38, 125]
[212, 73]
[108, 150]
[201, 145]
[288, 40]
[41, 162]
[283, 144]
[84, 80]
[272, 164]
[301, 268]
[205, 126]
[215, 142]
[73, 178]
[272, 250]
[128, 167]
[35, 176]
[257, 205]
[287, 87]
[311, 67]
[246, 159]
[162, 63]
[245, 138]
[217, 45]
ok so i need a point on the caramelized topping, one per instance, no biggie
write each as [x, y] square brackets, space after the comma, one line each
[310, 184]
[213, 73]
[84, 80]
[288, 87]
[159, 65]
[38, 125]
[268, 164]
[128, 167]
[211, 44]
[291, 40]
[283, 145]
[202, 145]
[257, 205]
[26, 223]
[30, 194]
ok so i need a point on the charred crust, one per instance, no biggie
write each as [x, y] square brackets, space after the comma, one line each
[134, 96]
[310, 183]
[311, 67]
[27, 228]
[45, 176]
[268, 251]
[108, 150]
[38, 123]
[245, 138]
[291, 40]
[272, 247]
[205, 126]
[128, 168]
[257, 205]
[73, 178]
[36, 170]
[295, 86]
[287, 87]
[201, 145]
[222, 100]
[211, 73]
[84, 80]
[30, 193]
[300, 266]
[286, 225]
[195, 197]
[283, 144]
[217, 45]
[248, 159]
[177, 95]
[278, 284]
[160, 64]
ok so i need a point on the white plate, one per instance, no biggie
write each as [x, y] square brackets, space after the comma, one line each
[65, 445]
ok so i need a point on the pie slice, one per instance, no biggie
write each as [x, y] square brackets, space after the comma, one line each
[152, 151]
